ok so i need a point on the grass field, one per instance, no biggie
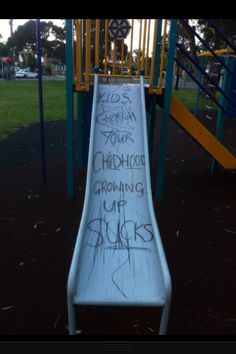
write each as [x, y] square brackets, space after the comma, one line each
[19, 103]
[187, 97]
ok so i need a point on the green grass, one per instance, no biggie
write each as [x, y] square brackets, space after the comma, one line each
[186, 96]
[19, 103]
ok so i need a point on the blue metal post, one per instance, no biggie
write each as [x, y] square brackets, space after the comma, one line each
[69, 108]
[197, 102]
[40, 99]
[157, 61]
[80, 128]
[166, 110]
[221, 113]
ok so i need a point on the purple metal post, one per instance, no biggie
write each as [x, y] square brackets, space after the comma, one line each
[40, 99]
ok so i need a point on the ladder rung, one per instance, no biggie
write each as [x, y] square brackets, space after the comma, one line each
[208, 107]
[210, 85]
[209, 117]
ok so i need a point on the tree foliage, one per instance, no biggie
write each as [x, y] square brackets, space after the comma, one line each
[24, 39]
[4, 50]
[193, 45]
[227, 26]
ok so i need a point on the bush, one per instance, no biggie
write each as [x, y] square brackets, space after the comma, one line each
[47, 70]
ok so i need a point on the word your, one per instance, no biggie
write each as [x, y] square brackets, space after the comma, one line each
[110, 161]
[104, 187]
[117, 137]
[118, 233]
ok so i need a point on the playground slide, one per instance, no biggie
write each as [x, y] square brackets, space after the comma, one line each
[202, 135]
[118, 257]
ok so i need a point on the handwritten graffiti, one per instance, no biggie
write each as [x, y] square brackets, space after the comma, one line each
[115, 206]
[102, 162]
[118, 137]
[103, 187]
[105, 96]
[116, 117]
[117, 233]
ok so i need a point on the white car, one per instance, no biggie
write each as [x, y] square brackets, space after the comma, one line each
[26, 73]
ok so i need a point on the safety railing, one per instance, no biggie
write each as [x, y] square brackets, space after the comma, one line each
[119, 48]
[215, 54]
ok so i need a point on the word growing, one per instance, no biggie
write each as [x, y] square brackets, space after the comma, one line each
[104, 187]
[110, 161]
[118, 233]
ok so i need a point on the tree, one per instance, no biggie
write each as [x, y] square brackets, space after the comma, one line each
[227, 26]
[56, 48]
[4, 50]
[187, 39]
[24, 39]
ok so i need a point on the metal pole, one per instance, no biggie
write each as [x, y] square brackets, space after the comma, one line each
[221, 114]
[166, 111]
[197, 102]
[69, 109]
[80, 128]
[156, 72]
[40, 99]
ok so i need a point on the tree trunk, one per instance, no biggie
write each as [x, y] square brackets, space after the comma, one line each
[177, 78]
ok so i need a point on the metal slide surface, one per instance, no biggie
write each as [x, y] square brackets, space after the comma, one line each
[202, 135]
[118, 257]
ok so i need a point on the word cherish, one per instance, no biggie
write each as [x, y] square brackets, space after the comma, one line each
[110, 161]
[116, 117]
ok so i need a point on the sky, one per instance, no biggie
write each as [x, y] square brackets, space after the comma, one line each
[5, 27]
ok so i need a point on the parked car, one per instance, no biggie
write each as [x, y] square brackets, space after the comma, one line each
[26, 73]
[17, 69]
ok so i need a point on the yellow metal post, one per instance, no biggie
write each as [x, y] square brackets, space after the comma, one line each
[153, 54]
[88, 51]
[105, 49]
[148, 38]
[139, 45]
[131, 48]
[97, 30]
[144, 42]
[162, 55]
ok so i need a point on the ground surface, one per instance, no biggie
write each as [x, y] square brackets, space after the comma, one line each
[39, 226]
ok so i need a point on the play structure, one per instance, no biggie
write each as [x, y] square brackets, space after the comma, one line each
[118, 258]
